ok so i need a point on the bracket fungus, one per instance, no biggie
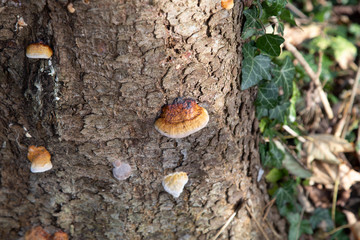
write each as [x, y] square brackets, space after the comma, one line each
[39, 158]
[227, 4]
[39, 51]
[37, 233]
[174, 183]
[181, 118]
[121, 170]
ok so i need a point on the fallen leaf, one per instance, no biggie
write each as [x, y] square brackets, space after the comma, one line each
[344, 51]
[291, 164]
[355, 225]
[326, 174]
[324, 147]
[296, 35]
[348, 176]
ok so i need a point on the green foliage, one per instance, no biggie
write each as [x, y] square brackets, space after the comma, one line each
[252, 24]
[342, 48]
[287, 17]
[285, 194]
[255, 68]
[274, 7]
[283, 77]
[267, 95]
[319, 215]
[274, 75]
[298, 226]
[270, 44]
[279, 112]
[275, 175]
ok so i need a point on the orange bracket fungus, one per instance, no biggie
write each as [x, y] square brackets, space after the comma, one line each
[181, 118]
[39, 50]
[39, 158]
[121, 170]
[227, 4]
[37, 233]
[174, 183]
[60, 235]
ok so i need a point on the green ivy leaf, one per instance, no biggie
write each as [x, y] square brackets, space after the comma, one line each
[261, 112]
[276, 154]
[283, 77]
[254, 68]
[267, 95]
[274, 175]
[270, 44]
[287, 16]
[252, 25]
[319, 215]
[285, 194]
[297, 226]
[274, 7]
[279, 112]
[281, 29]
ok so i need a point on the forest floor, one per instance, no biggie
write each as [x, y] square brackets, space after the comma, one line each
[325, 137]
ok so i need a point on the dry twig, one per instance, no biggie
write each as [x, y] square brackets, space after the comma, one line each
[313, 77]
[225, 225]
[295, 10]
[257, 223]
[336, 189]
[293, 133]
[342, 126]
[268, 207]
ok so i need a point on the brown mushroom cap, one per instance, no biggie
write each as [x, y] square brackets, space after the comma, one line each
[39, 158]
[39, 50]
[181, 118]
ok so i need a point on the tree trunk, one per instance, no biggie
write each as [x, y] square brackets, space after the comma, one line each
[115, 64]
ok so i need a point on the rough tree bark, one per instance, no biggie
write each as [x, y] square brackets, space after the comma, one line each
[115, 64]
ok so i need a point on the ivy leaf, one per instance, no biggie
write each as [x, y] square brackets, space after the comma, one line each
[261, 112]
[273, 158]
[319, 215]
[254, 68]
[281, 29]
[267, 95]
[274, 7]
[276, 154]
[270, 44]
[285, 194]
[283, 77]
[287, 16]
[252, 25]
[297, 226]
[274, 175]
[279, 112]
